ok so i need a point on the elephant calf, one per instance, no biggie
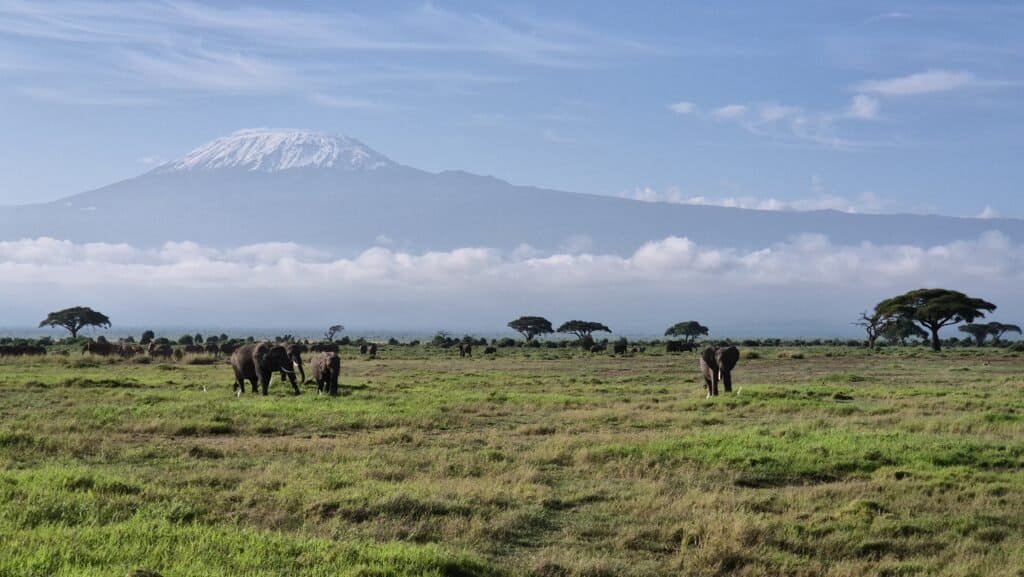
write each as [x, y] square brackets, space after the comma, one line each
[716, 364]
[258, 362]
[326, 370]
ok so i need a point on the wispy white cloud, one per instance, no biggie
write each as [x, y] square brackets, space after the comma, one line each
[683, 108]
[196, 46]
[864, 107]
[78, 99]
[821, 199]
[329, 101]
[927, 82]
[554, 137]
[730, 111]
[988, 212]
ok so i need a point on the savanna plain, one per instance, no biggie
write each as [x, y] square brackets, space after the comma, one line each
[546, 462]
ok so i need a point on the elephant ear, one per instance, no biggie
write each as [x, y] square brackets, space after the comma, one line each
[260, 355]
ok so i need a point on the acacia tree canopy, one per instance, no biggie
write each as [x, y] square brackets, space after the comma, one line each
[689, 330]
[531, 327]
[997, 330]
[979, 331]
[333, 330]
[75, 318]
[582, 329]
[933, 309]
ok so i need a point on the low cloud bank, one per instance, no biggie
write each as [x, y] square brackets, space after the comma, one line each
[807, 278]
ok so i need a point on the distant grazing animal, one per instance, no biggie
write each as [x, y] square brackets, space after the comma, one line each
[257, 363]
[212, 349]
[100, 347]
[465, 350]
[178, 354]
[619, 348]
[326, 370]
[193, 349]
[717, 364]
[325, 347]
[597, 348]
[373, 350]
[490, 351]
[363, 348]
[160, 350]
[22, 349]
[679, 347]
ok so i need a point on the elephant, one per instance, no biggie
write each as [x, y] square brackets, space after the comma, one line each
[717, 364]
[679, 347]
[295, 351]
[160, 350]
[491, 351]
[326, 370]
[258, 362]
[373, 350]
[363, 348]
[325, 347]
[465, 350]
[620, 348]
[100, 347]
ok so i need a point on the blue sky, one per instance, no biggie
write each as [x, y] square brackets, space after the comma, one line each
[867, 106]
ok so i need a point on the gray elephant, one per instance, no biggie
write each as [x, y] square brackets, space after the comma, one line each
[258, 362]
[716, 364]
[295, 351]
[326, 370]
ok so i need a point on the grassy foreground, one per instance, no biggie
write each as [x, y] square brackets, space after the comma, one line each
[540, 462]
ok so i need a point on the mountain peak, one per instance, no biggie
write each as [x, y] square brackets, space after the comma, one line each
[273, 150]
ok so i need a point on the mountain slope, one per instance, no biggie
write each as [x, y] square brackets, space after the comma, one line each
[338, 194]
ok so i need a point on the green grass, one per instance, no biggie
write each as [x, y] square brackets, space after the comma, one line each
[546, 462]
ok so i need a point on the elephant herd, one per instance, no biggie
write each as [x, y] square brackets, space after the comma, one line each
[257, 363]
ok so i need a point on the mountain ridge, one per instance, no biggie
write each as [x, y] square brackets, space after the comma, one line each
[258, 186]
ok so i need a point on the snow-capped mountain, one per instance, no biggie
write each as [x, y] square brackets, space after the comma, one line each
[270, 150]
[338, 194]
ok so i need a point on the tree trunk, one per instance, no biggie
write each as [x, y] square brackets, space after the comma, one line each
[936, 344]
[74, 333]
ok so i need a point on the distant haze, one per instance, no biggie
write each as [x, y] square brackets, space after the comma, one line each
[299, 230]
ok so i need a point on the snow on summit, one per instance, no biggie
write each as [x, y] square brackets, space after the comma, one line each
[269, 150]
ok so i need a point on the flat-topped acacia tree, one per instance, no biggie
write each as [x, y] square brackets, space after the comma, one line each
[582, 329]
[531, 327]
[933, 309]
[75, 318]
[689, 330]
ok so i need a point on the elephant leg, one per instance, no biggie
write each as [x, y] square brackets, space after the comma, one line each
[727, 380]
[334, 385]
